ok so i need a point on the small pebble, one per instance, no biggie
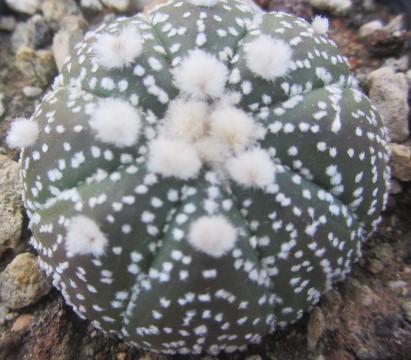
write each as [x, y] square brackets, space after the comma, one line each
[71, 32]
[24, 6]
[23, 283]
[383, 43]
[397, 23]
[11, 206]
[34, 33]
[121, 356]
[400, 161]
[55, 11]
[375, 266]
[91, 5]
[7, 23]
[389, 93]
[397, 284]
[395, 187]
[118, 5]
[2, 109]
[335, 7]
[397, 64]
[368, 28]
[39, 66]
[3, 314]
[406, 308]
[315, 328]
[384, 253]
[23, 322]
[32, 91]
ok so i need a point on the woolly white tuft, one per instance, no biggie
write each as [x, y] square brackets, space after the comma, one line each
[173, 158]
[212, 151]
[201, 75]
[117, 51]
[116, 122]
[203, 2]
[232, 126]
[267, 57]
[186, 119]
[320, 24]
[213, 235]
[252, 168]
[84, 237]
[23, 133]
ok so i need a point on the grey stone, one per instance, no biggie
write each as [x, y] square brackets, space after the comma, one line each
[23, 283]
[38, 65]
[139, 5]
[340, 7]
[397, 64]
[32, 91]
[369, 27]
[71, 32]
[11, 206]
[2, 109]
[91, 5]
[35, 33]
[56, 10]
[396, 24]
[400, 161]
[389, 93]
[7, 23]
[118, 5]
[24, 6]
[3, 314]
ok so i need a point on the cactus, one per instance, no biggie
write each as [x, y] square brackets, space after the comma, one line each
[199, 175]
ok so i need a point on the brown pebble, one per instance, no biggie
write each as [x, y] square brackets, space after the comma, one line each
[375, 266]
[385, 43]
[315, 328]
[121, 356]
[23, 322]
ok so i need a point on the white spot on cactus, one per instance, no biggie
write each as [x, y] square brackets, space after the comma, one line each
[116, 122]
[252, 168]
[207, 3]
[186, 119]
[84, 237]
[23, 133]
[267, 57]
[213, 235]
[320, 24]
[233, 127]
[117, 51]
[201, 75]
[173, 158]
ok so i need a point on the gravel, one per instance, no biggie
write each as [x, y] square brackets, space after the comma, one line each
[389, 93]
[23, 283]
[11, 206]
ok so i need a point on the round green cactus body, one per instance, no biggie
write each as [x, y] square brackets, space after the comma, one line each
[200, 174]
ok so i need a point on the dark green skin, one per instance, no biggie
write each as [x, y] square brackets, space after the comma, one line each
[271, 302]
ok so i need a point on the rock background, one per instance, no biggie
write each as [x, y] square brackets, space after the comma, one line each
[367, 317]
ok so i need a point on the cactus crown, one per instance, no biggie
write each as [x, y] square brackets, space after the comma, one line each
[199, 175]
